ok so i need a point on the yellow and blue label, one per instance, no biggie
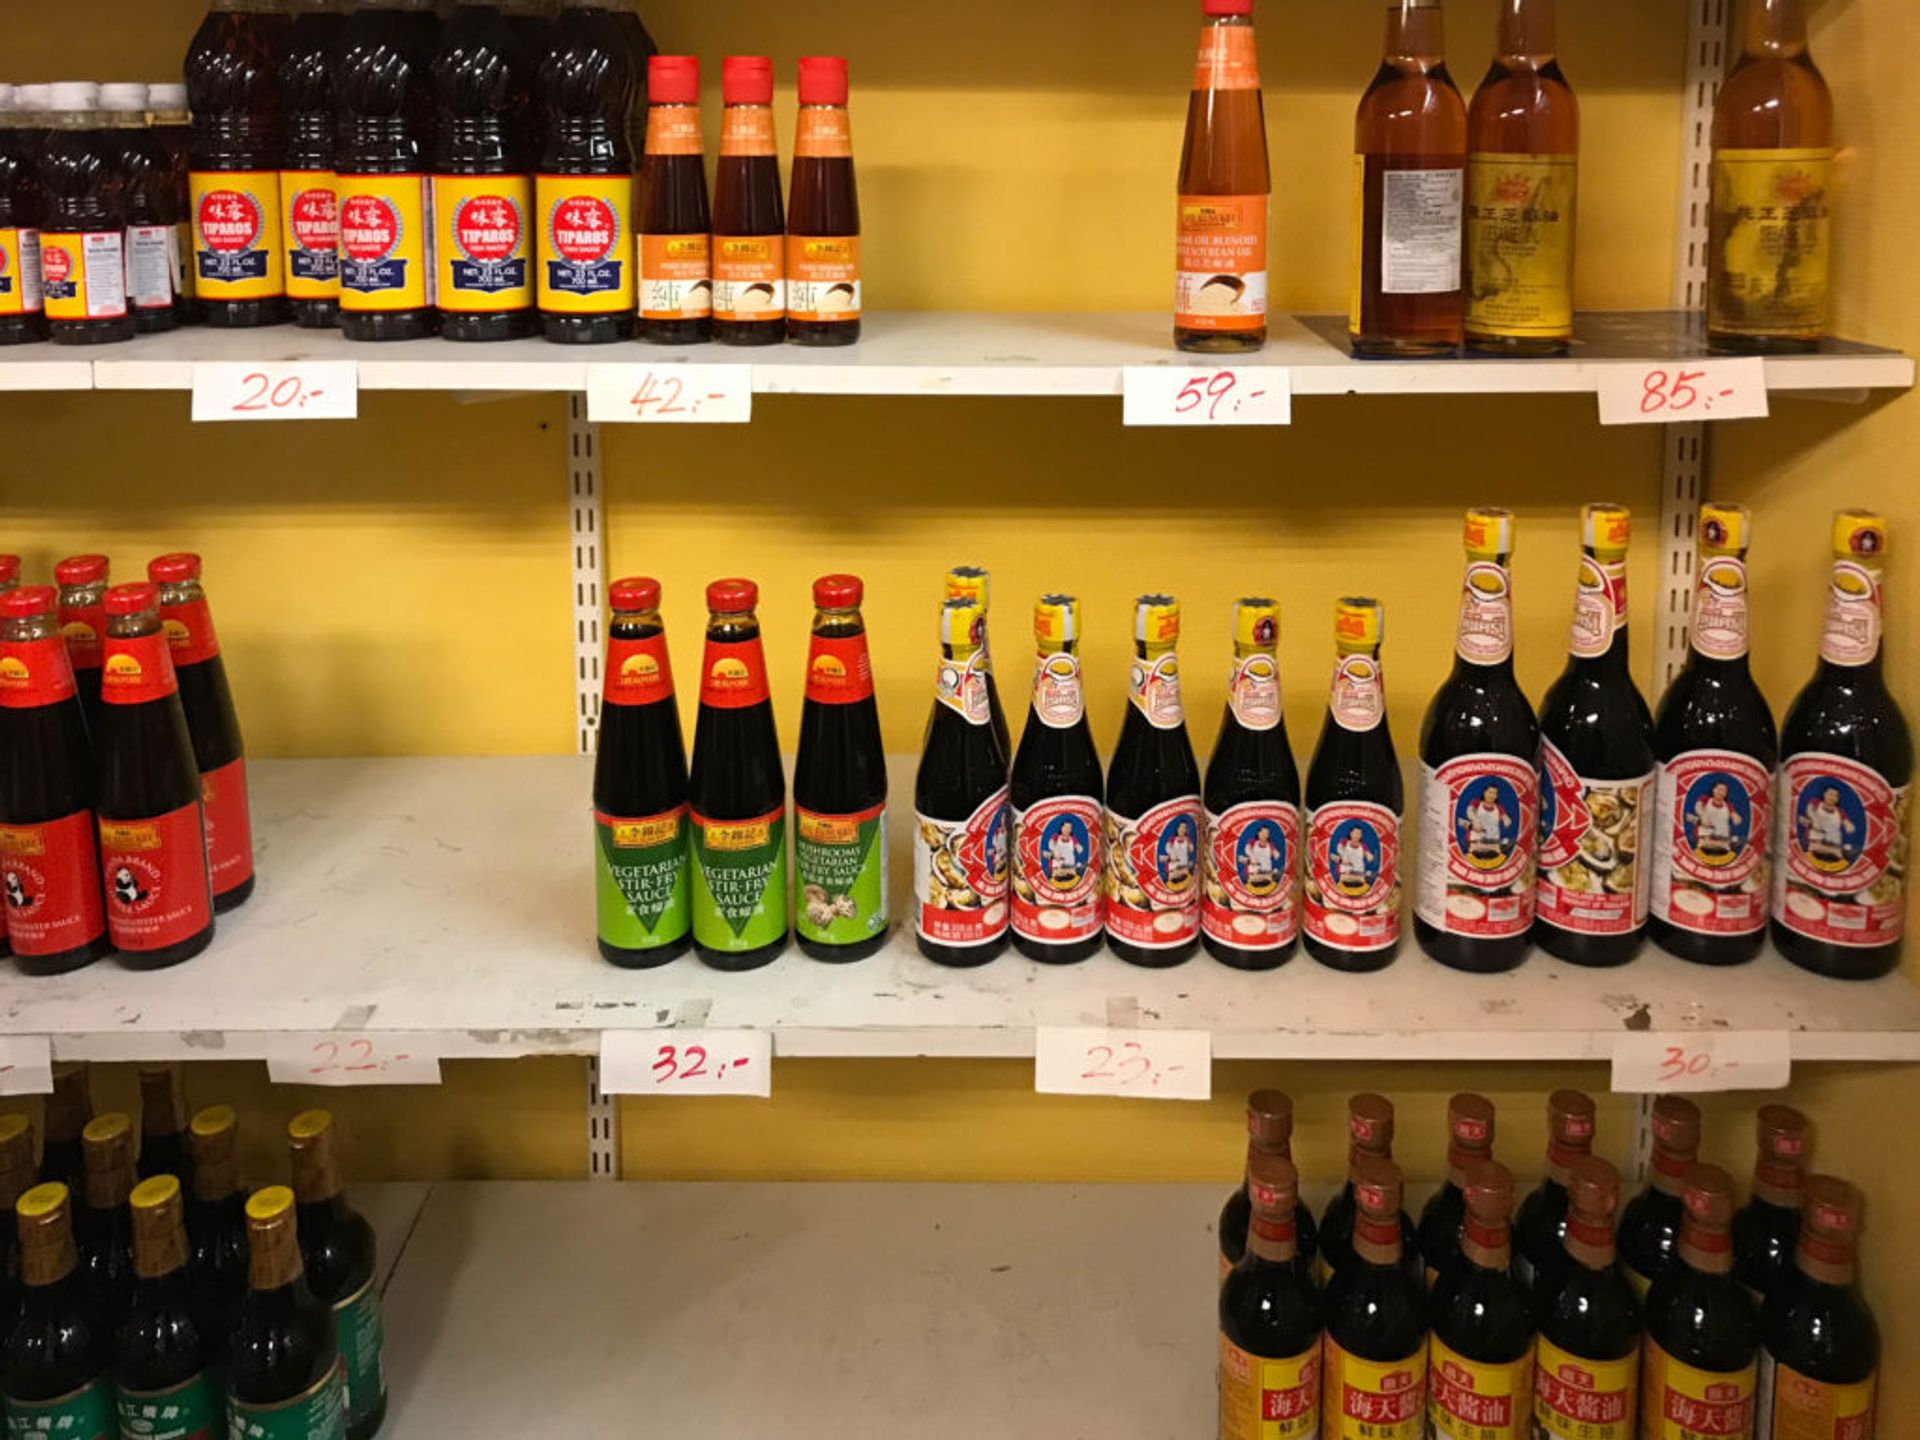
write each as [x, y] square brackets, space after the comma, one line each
[586, 247]
[239, 245]
[484, 242]
[386, 243]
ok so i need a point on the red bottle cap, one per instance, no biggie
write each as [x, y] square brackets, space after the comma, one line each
[746, 80]
[134, 599]
[732, 596]
[172, 569]
[29, 601]
[823, 80]
[81, 570]
[641, 592]
[1226, 7]
[673, 80]
[9, 569]
[837, 592]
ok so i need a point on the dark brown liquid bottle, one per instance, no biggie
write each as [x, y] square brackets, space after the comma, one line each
[1698, 1371]
[676, 241]
[83, 240]
[284, 1372]
[217, 1218]
[163, 1372]
[16, 1178]
[101, 1224]
[1480, 1359]
[153, 210]
[340, 1256]
[69, 1108]
[23, 315]
[1369, 1136]
[1269, 1134]
[163, 1123]
[1767, 1228]
[309, 189]
[83, 621]
[1376, 1314]
[1470, 1126]
[1226, 185]
[1540, 1227]
[1587, 1357]
[1650, 1225]
[1270, 1316]
[56, 1354]
[1820, 1356]
[749, 214]
[824, 292]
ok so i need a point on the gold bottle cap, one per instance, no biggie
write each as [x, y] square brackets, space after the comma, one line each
[213, 1140]
[962, 622]
[213, 1121]
[1489, 533]
[159, 1226]
[41, 1201]
[1724, 529]
[1859, 535]
[44, 1217]
[106, 1151]
[1605, 529]
[1156, 621]
[1359, 625]
[1256, 623]
[273, 1251]
[316, 1171]
[273, 1202]
[14, 1129]
[1056, 622]
[16, 1158]
[968, 582]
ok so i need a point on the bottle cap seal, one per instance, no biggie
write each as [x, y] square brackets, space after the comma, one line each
[1256, 623]
[134, 598]
[731, 597]
[42, 1201]
[673, 80]
[1783, 1134]
[838, 592]
[1489, 533]
[746, 80]
[212, 1121]
[961, 621]
[154, 1192]
[1056, 621]
[1156, 620]
[823, 80]
[174, 569]
[1470, 1122]
[1605, 529]
[1676, 1124]
[1376, 1188]
[636, 592]
[1359, 625]
[1273, 1185]
[1832, 1208]
[81, 570]
[269, 1204]
[1489, 1192]
[27, 601]
[9, 569]
[309, 1125]
[1593, 1189]
[1226, 7]
[1708, 1196]
[1724, 529]
[1270, 1120]
[1370, 1122]
[1859, 535]
[1570, 1118]
[107, 1129]
[970, 582]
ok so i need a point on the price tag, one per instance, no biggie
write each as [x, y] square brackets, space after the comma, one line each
[1141, 1064]
[687, 1062]
[670, 394]
[345, 1057]
[1181, 395]
[26, 1065]
[1667, 394]
[1654, 1064]
[296, 390]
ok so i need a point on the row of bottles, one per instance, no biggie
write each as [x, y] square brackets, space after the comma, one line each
[124, 819]
[1464, 214]
[1569, 1317]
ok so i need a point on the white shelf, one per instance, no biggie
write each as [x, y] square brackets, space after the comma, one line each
[934, 353]
[455, 896]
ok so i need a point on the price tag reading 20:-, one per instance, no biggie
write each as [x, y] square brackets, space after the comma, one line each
[296, 390]
[1131, 1064]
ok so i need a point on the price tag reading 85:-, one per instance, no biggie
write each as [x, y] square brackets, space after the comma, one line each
[1684, 390]
[1181, 395]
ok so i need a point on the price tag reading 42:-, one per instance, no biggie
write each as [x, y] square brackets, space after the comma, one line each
[294, 390]
[1682, 391]
[670, 394]
[1180, 395]
[1136, 1064]
[687, 1062]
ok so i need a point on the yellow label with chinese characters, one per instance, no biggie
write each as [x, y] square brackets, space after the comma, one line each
[1266, 1399]
[1365, 1400]
[239, 247]
[1520, 211]
[1678, 1402]
[1577, 1399]
[1472, 1400]
[311, 201]
[1796, 1407]
[485, 242]
[585, 244]
[1772, 243]
[386, 244]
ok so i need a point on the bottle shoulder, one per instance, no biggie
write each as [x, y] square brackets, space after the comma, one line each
[1478, 714]
[1485, 1315]
[1708, 1321]
[1850, 714]
[1714, 707]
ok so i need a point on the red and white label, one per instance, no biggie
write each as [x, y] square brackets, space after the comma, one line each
[1720, 608]
[189, 631]
[1479, 827]
[370, 227]
[1358, 701]
[136, 669]
[1599, 606]
[51, 873]
[1712, 820]
[1253, 692]
[315, 217]
[1059, 697]
[85, 629]
[1851, 634]
[839, 670]
[34, 673]
[960, 870]
[961, 686]
[1594, 836]
[1352, 892]
[585, 229]
[638, 671]
[733, 674]
[1058, 862]
[230, 221]
[1839, 826]
[229, 821]
[1155, 859]
[1252, 894]
[489, 227]
[156, 878]
[1153, 686]
[1486, 615]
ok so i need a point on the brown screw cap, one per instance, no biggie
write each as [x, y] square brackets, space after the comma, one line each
[1832, 1208]
[1784, 1134]
[1377, 1189]
[1708, 1197]
[1676, 1125]
[1470, 1123]
[1570, 1119]
[1370, 1123]
[1273, 1185]
[1489, 1192]
[1593, 1189]
[1270, 1120]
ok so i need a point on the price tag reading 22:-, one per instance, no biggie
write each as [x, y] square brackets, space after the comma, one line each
[1137, 1064]
[395, 1057]
[670, 394]
[1181, 395]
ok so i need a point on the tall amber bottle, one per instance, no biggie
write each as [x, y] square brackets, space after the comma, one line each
[1409, 164]
[1220, 269]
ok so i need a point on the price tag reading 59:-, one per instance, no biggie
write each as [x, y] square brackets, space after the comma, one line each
[1137, 1064]
[1180, 395]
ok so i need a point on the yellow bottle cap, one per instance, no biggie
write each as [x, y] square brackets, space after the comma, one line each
[1859, 535]
[41, 1201]
[152, 1194]
[1724, 529]
[214, 1120]
[1256, 623]
[961, 622]
[12, 1127]
[1489, 533]
[104, 1128]
[309, 1123]
[270, 1203]
[1605, 529]
[1056, 621]
[1156, 620]
[1359, 625]
[968, 582]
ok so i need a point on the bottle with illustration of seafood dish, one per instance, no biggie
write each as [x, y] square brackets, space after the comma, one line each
[1058, 798]
[1714, 738]
[1698, 1370]
[1479, 791]
[1596, 770]
[1470, 1122]
[962, 821]
[1154, 815]
[1841, 831]
[1820, 1354]
[1269, 1132]
[1650, 1225]
[970, 582]
[1226, 187]
[1351, 895]
[1480, 1354]
[1374, 1382]
[1541, 1224]
[1369, 1135]
[1586, 1375]
[1767, 1228]
[1250, 910]
[1269, 1311]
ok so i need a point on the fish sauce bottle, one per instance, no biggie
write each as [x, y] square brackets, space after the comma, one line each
[16, 1178]
[1650, 1225]
[738, 793]
[1355, 797]
[532, 21]
[1250, 906]
[1374, 1381]
[1820, 1356]
[68, 1110]
[101, 1224]
[1058, 797]
[23, 314]
[840, 786]
[1714, 738]
[641, 50]
[1270, 1322]
[1369, 1137]
[971, 582]
[1479, 791]
[1470, 1124]
[173, 128]
[153, 210]
[338, 1251]
[217, 1220]
[163, 1371]
[83, 622]
[49, 837]
[749, 212]
[83, 239]
[1480, 1355]
[676, 225]
[213, 723]
[309, 186]
[1698, 1370]
[153, 839]
[1767, 1228]
[962, 819]
[642, 888]
[235, 159]
[1586, 1377]
[1842, 826]
[483, 158]
[824, 288]
[1226, 189]
[1155, 821]
[163, 1123]
[284, 1370]
[1269, 1133]
[1540, 1226]
[1596, 770]
[57, 1355]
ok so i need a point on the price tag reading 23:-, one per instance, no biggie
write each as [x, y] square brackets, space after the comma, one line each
[1182, 395]
[1137, 1064]
[670, 394]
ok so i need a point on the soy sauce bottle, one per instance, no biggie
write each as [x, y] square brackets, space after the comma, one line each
[101, 1223]
[83, 182]
[1703, 1332]
[83, 621]
[1480, 1356]
[840, 786]
[163, 1123]
[1250, 911]
[1540, 1227]
[1587, 1359]
[217, 1220]
[1058, 796]
[309, 188]
[1479, 792]
[737, 793]
[970, 582]
[284, 1368]
[69, 1108]
[1650, 1225]
[642, 889]
[1470, 1122]
[16, 1178]
[1767, 1228]
[23, 316]
[749, 215]
[1269, 1134]
[162, 1374]
[1376, 1315]
[338, 1252]
[1270, 1335]
[962, 845]
[153, 209]
[1820, 1361]
[676, 226]
[56, 1355]
[824, 286]
[1369, 1137]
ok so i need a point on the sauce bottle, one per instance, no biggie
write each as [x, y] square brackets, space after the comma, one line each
[640, 53]
[83, 240]
[1820, 1363]
[970, 582]
[1410, 157]
[738, 793]
[55, 1358]
[1154, 814]
[1354, 800]
[162, 1373]
[49, 846]
[384, 123]
[153, 210]
[69, 1108]
[961, 815]
[284, 1371]
[676, 239]
[1540, 1227]
[23, 315]
[1470, 1122]
[823, 215]
[1650, 1225]
[1596, 770]
[749, 216]
[1369, 1136]
[173, 128]
[213, 724]
[338, 1251]
[1839, 883]
[584, 193]
[1250, 910]
[1058, 796]
[153, 846]
[1703, 1333]
[217, 1221]
[1269, 1133]
[163, 1123]
[1523, 158]
[1270, 1318]
[532, 21]
[1715, 741]
[1374, 1386]
[16, 1178]
[1480, 1354]
[1479, 791]
[101, 1224]
[840, 786]
[1767, 1228]
[1586, 1377]
[483, 177]
[237, 154]
[83, 623]
[1226, 186]
[643, 893]
[309, 187]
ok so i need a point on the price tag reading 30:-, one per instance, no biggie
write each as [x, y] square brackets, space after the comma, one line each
[1656, 1064]
[670, 394]
[687, 1062]
[1134, 1064]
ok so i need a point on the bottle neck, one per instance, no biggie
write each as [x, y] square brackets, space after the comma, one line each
[1669, 1171]
[1776, 29]
[1488, 1246]
[1458, 1161]
[1560, 1160]
[1600, 613]
[1484, 638]
[1590, 1243]
[1850, 637]
[1708, 1249]
[1527, 31]
[1824, 1260]
[1778, 1184]
[1719, 631]
[1376, 1241]
[1416, 33]
[1272, 1237]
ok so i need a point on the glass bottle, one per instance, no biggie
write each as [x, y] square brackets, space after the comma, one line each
[285, 1368]
[1541, 1225]
[1480, 1354]
[1269, 1133]
[16, 1178]
[1767, 1228]
[101, 1224]
[163, 1124]
[217, 1220]
[1375, 1358]
[309, 188]
[1586, 1380]
[1703, 1332]
[749, 212]
[339, 1254]
[676, 226]
[56, 1357]
[1369, 1136]
[1226, 187]
[162, 1374]
[1270, 1337]
[1820, 1361]
[23, 315]
[83, 183]
[153, 210]
[971, 582]
[69, 1108]
[824, 288]
[1650, 1225]
[83, 621]
[1470, 1125]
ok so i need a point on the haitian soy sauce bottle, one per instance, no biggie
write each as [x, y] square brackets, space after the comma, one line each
[342, 1264]
[737, 793]
[1269, 1133]
[83, 621]
[1154, 820]
[1596, 770]
[56, 1356]
[1481, 1352]
[285, 1375]
[83, 237]
[1842, 823]
[1767, 1228]
[961, 845]
[1058, 796]
[642, 887]
[1351, 905]
[309, 188]
[49, 838]
[971, 582]
[1470, 1123]
[153, 846]
[749, 213]
[1250, 909]
[1270, 1324]
[1374, 1381]
[1369, 1136]
[1650, 1225]
[1479, 791]
[1540, 1227]
[1714, 738]
[1698, 1369]
[1820, 1356]
[163, 1381]
[675, 221]
[840, 786]
[1586, 1376]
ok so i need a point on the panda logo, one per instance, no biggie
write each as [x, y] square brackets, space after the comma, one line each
[126, 888]
[17, 897]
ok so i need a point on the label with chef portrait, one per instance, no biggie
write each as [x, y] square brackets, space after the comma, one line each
[1351, 896]
[1712, 819]
[1153, 874]
[1593, 836]
[1479, 825]
[1840, 842]
[1252, 879]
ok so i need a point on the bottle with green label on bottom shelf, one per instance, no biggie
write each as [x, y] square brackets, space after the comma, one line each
[338, 1252]
[284, 1376]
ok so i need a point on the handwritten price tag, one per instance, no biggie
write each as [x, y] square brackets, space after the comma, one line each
[1140, 1064]
[347, 1058]
[1178, 395]
[303, 390]
[687, 1062]
[1654, 1064]
[670, 394]
[26, 1065]
[1682, 391]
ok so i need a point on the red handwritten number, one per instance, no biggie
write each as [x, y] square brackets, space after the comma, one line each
[667, 1057]
[1209, 390]
[669, 403]
[1097, 1073]
[1678, 1064]
[262, 394]
[1134, 1064]
[697, 1054]
[363, 1053]
[1663, 390]
[257, 400]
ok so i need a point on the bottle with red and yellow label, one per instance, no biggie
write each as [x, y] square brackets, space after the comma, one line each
[1374, 1382]
[749, 213]
[1820, 1364]
[83, 622]
[23, 315]
[1480, 1355]
[824, 288]
[1586, 1374]
[676, 226]
[1220, 266]
[83, 265]
[1703, 1334]
[1270, 1336]
[309, 189]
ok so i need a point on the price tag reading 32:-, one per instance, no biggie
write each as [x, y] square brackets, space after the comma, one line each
[670, 394]
[1181, 395]
[687, 1062]
[1137, 1064]
[295, 390]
